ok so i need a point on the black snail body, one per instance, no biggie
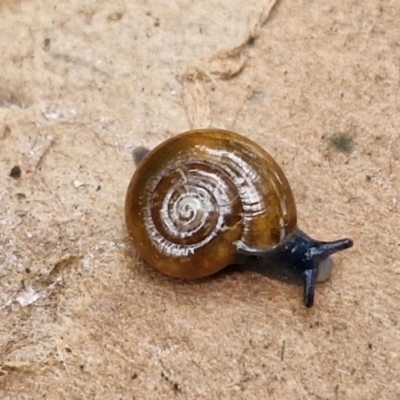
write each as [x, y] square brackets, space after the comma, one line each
[208, 198]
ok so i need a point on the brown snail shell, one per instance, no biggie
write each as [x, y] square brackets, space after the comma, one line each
[208, 198]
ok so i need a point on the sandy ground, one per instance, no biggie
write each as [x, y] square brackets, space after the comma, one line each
[315, 83]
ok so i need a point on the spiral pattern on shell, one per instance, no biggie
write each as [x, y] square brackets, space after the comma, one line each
[196, 195]
[198, 203]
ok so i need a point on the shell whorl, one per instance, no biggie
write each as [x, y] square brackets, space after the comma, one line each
[197, 194]
[198, 202]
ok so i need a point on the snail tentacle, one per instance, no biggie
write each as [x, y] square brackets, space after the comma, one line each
[298, 257]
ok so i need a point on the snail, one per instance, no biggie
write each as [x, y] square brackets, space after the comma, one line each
[209, 198]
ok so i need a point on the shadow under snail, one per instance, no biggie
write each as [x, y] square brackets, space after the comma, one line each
[209, 198]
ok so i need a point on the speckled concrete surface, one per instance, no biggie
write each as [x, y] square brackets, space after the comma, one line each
[82, 84]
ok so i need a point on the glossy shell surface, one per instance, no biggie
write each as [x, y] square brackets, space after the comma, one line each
[195, 195]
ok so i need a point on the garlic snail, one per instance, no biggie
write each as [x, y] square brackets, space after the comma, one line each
[209, 198]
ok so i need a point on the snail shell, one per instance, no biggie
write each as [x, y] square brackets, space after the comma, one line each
[208, 198]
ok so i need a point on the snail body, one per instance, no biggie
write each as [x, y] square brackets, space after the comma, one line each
[209, 198]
